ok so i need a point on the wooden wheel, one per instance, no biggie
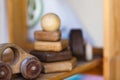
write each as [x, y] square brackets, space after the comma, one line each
[5, 71]
[77, 44]
[31, 68]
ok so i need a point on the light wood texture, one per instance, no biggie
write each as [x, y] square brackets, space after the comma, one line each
[112, 39]
[51, 46]
[50, 22]
[80, 68]
[47, 36]
[61, 66]
[18, 31]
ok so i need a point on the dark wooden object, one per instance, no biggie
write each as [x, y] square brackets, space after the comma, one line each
[52, 56]
[77, 44]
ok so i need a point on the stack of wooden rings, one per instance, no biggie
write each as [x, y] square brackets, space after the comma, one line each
[50, 48]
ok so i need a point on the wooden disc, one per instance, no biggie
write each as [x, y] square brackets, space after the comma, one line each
[31, 68]
[5, 71]
[77, 45]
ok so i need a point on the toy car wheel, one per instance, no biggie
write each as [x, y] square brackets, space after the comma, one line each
[31, 68]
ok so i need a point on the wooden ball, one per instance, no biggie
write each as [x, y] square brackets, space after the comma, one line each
[50, 22]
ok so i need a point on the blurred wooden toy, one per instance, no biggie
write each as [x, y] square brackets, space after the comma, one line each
[47, 36]
[24, 63]
[52, 56]
[60, 66]
[50, 22]
[51, 46]
[80, 48]
[77, 44]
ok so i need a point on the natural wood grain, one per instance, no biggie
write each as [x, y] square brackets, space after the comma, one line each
[80, 68]
[112, 39]
[47, 36]
[18, 31]
[51, 46]
[61, 66]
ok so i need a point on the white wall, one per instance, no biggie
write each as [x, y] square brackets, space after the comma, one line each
[90, 13]
[3, 23]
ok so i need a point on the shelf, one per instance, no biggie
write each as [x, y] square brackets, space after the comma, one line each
[81, 67]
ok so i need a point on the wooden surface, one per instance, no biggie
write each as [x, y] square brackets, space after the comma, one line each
[81, 67]
[112, 40]
[18, 33]
[61, 66]
[98, 70]
[47, 36]
[51, 46]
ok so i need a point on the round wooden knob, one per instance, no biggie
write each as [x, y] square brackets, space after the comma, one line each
[31, 68]
[77, 44]
[5, 71]
[50, 22]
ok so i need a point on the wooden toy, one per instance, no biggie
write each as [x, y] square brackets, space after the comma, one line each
[51, 46]
[52, 56]
[50, 22]
[5, 71]
[79, 48]
[77, 44]
[59, 66]
[24, 63]
[47, 36]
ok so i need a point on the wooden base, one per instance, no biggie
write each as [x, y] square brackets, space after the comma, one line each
[61, 66]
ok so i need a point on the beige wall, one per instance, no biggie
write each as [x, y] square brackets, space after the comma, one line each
[90, 13]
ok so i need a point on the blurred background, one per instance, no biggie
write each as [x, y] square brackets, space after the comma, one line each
[80, 14]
